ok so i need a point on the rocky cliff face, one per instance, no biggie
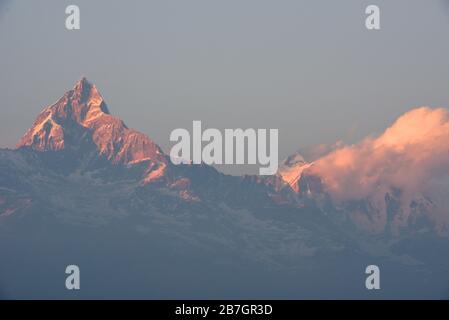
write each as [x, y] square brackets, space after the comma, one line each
[82, 114]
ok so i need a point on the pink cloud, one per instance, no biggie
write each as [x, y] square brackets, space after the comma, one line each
[412, 155]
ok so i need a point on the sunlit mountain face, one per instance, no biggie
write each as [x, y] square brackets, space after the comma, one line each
[83, 188]
[80, 122]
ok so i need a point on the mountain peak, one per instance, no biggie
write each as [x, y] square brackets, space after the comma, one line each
[83, 88]
[80, 113]
[83, 82]
[87, 93]
[292, 168]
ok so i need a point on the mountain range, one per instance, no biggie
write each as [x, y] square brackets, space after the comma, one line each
[82, 187]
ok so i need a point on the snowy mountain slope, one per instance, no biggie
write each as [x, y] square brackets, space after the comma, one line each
[82, 183]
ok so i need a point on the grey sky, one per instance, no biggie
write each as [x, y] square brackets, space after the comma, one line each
[309, 68]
